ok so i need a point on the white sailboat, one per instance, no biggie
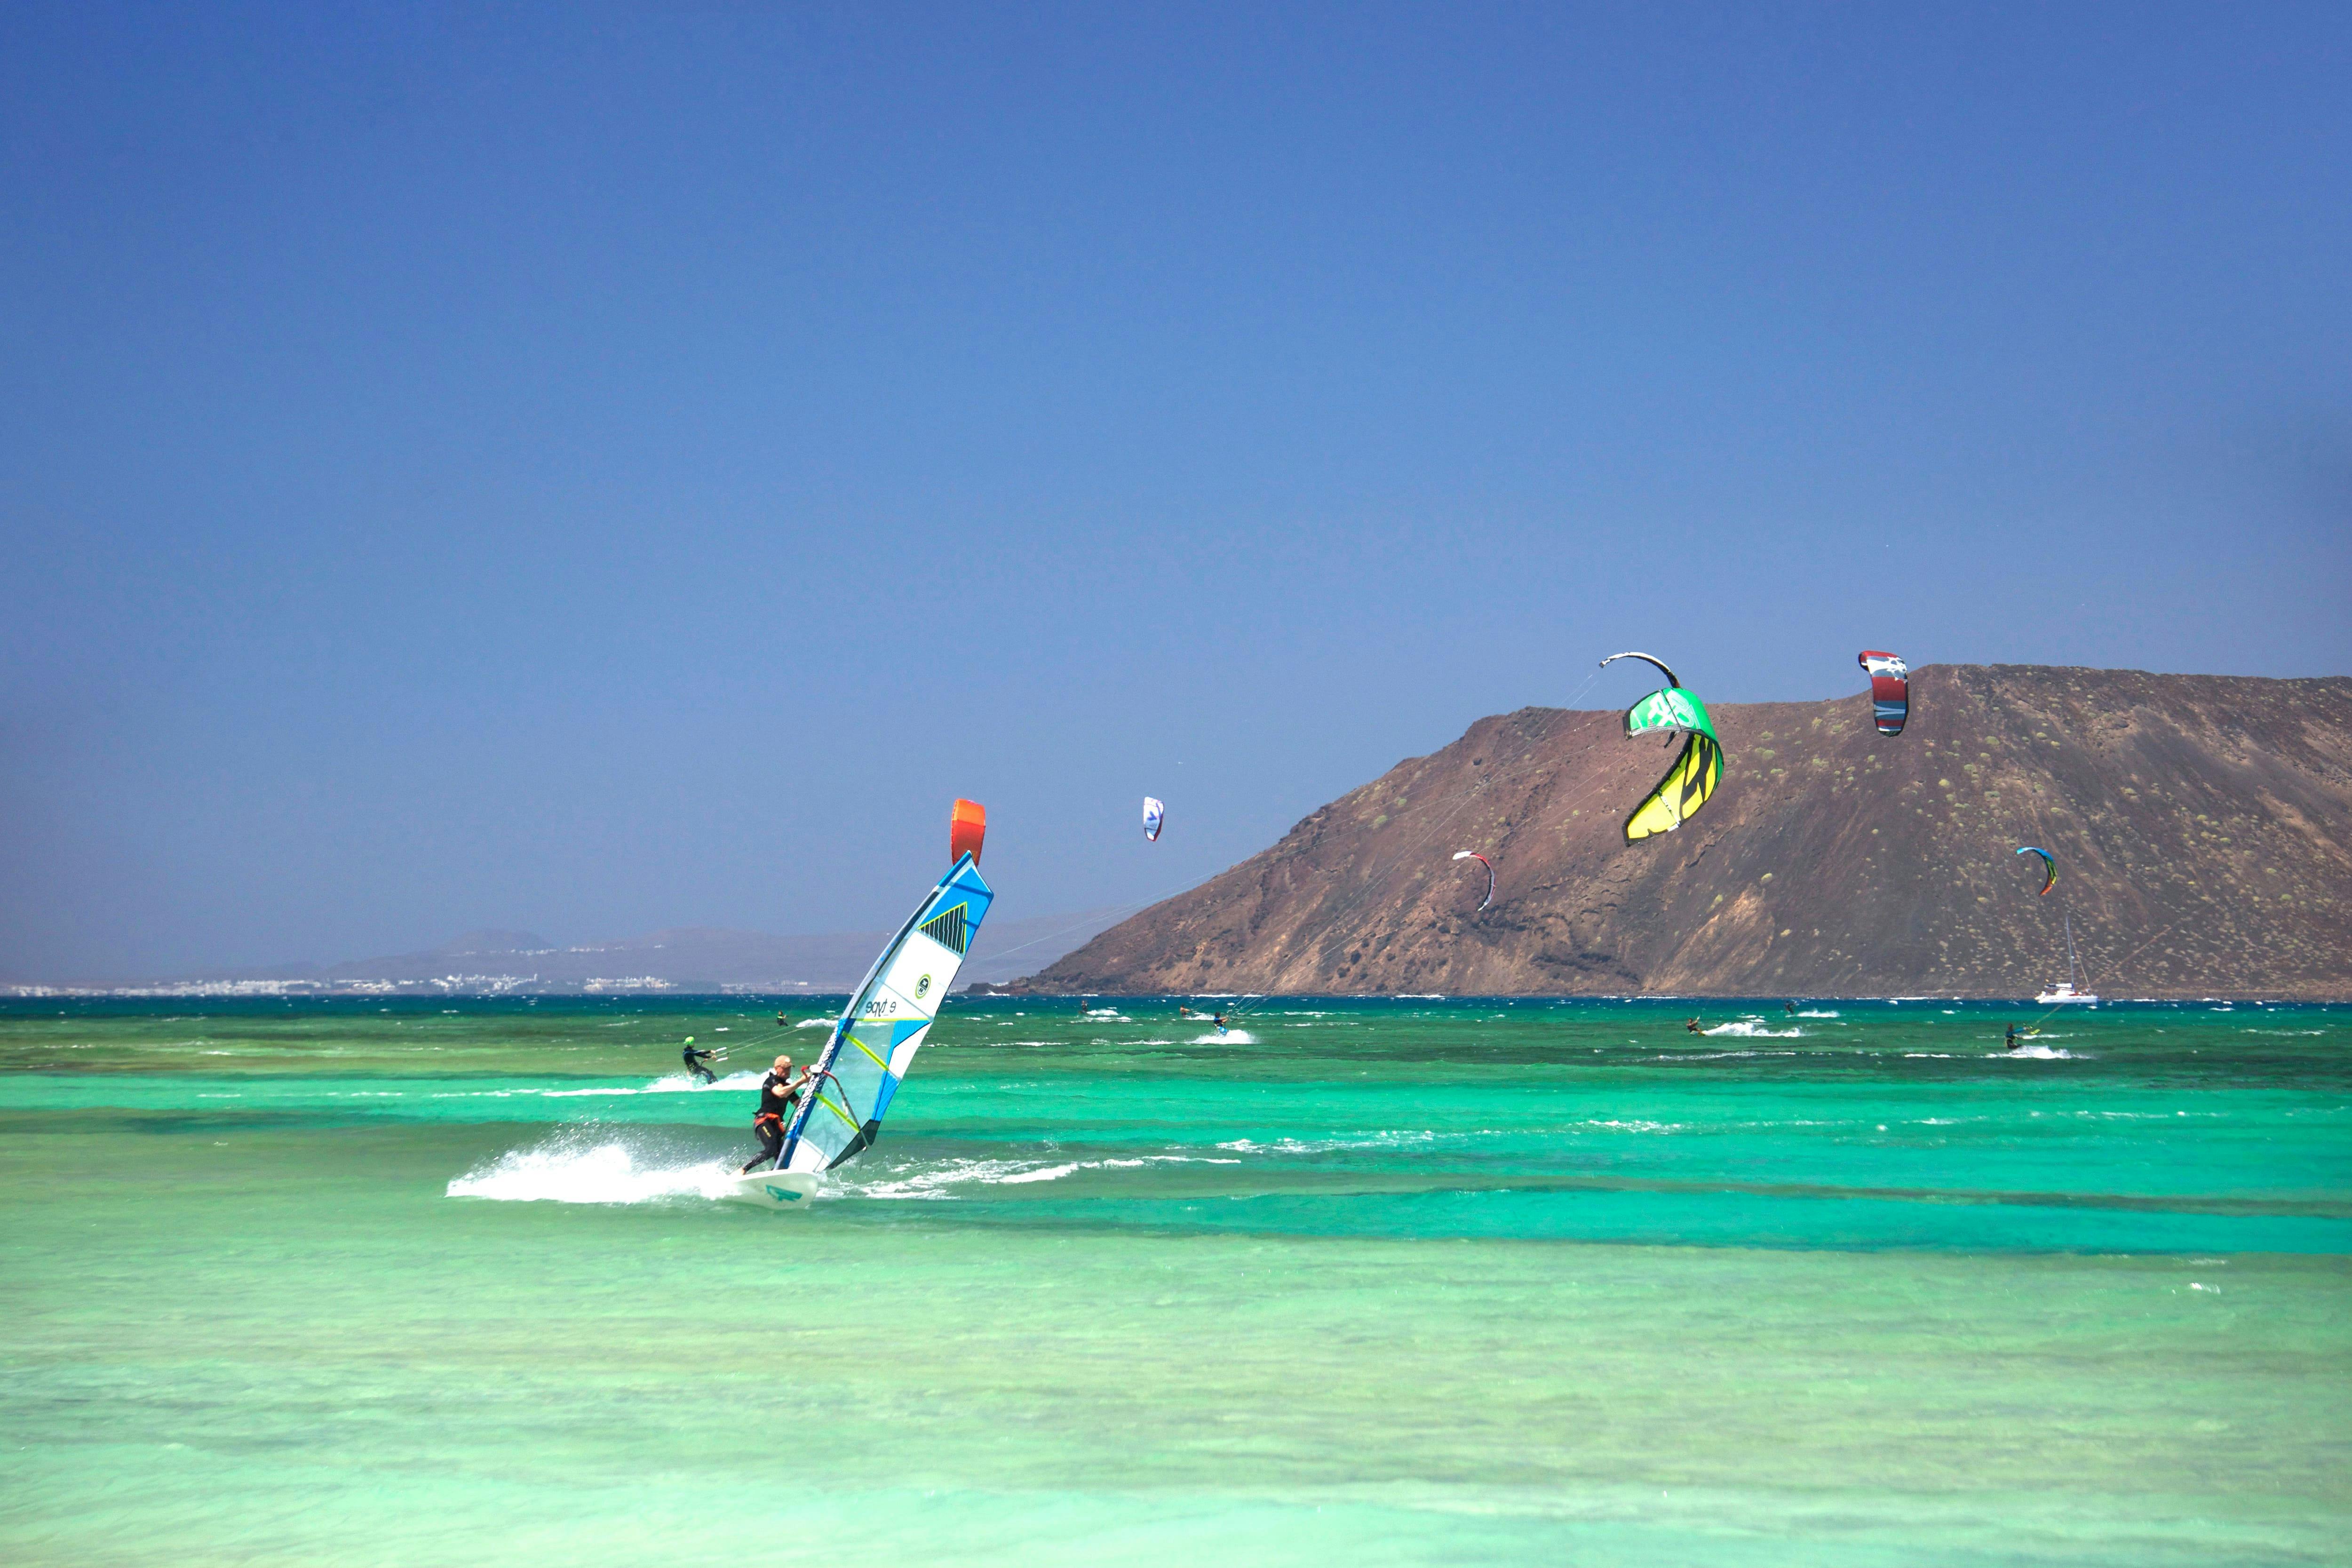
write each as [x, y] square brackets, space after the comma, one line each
[2065, 992]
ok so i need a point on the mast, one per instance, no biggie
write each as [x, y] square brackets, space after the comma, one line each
[2070, 950]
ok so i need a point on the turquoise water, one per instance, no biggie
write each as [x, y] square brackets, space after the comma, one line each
[1412, 1281]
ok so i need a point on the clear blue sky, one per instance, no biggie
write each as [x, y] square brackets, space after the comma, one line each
[588, 469]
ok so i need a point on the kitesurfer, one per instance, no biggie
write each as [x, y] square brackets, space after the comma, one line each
[780, 1095]
[1790, 1008]
[696, 1059]
[2010, 1041]
[1690, 1025]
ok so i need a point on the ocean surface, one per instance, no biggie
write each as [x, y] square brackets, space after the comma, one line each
[1397, 1282]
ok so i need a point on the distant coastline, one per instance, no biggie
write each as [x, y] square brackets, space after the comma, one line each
[681, 961]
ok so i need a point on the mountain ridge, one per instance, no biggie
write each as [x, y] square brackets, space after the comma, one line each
[2203, 823]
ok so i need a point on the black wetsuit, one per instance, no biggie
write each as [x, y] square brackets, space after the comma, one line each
[694, 1061]
[777, 1100]
[2011, 1038]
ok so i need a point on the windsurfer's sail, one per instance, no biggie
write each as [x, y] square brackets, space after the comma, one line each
[877, 1037]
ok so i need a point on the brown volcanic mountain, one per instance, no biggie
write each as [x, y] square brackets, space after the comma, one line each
[2202, 826]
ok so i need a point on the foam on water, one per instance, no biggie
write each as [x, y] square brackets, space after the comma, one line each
[676, 1083]
[1230, 1038]
[939, 1180]
[569, 1171]
[590, 1166]
[1753, 1029]
[1328, 1146]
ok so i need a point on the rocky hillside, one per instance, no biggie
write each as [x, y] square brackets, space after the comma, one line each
[2202, 826]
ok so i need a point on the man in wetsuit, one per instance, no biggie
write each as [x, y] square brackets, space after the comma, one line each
[695, 1062]
[1690, 1025]
[780, 1095]
[2010, 1039]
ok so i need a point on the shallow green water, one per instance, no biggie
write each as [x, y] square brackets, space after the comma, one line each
[1397, 1282]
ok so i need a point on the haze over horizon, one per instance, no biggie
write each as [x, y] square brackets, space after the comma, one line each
[597, 470]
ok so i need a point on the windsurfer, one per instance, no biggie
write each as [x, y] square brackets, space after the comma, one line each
[779, 1094]
[696, 1061]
